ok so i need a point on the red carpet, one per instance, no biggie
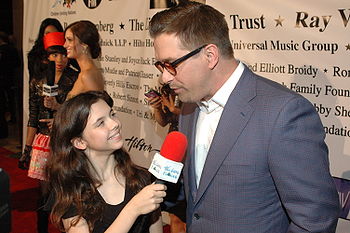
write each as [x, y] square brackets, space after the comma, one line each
[24, 194]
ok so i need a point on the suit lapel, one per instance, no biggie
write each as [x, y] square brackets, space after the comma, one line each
[234, 118]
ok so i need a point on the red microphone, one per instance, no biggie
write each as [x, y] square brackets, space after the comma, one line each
[166, 165]
[174, 146]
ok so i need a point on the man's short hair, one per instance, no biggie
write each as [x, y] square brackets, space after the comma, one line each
[195, 24]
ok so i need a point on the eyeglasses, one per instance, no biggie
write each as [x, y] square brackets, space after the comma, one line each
[170, 67]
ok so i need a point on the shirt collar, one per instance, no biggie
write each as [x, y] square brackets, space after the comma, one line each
[221, 96]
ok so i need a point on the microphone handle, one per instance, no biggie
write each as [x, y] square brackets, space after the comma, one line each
[158, 181]
[50, 113]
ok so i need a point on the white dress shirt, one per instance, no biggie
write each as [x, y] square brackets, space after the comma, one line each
[208, 119]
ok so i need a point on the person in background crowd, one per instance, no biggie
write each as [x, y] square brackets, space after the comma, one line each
[9, 61]
[256, 159]
[166, 108]
[37, 56]
[82, 44]
[37, 141]
[37, 67]
[95, 186]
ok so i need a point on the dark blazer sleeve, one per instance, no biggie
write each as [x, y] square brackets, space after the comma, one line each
[298, 162]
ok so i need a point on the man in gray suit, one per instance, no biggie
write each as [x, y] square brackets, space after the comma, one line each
[257, 160]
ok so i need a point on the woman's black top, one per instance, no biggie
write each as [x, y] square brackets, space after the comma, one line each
[111, 212]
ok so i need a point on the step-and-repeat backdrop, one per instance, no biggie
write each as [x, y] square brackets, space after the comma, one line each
[304, 45]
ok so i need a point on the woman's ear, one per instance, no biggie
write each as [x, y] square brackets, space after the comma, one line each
[79, 143]
[212, 55]
[85, 47]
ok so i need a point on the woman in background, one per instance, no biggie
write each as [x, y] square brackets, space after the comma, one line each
[82, 44]
[166, 107]
[37, 140]
[95, 186]
[37, 56]
[37, 65]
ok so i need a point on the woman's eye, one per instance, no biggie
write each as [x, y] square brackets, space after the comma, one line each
[101, 123]
[113, 114]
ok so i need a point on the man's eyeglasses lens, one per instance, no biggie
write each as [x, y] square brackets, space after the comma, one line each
[170, 67]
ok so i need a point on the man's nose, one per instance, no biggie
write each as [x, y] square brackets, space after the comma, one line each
[166, 77]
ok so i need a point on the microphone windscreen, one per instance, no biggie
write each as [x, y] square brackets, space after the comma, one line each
[174, 146]
[51, 73]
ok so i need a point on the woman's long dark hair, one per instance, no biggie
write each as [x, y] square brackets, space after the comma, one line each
[68, 170]
[37, 54]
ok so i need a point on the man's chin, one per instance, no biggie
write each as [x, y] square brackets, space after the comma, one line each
[182, 98]
[186, 99]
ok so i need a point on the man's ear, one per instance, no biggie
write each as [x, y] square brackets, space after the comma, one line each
[212, 55]
[79, 143]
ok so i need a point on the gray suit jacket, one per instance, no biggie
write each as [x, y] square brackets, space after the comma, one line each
[267, 169]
